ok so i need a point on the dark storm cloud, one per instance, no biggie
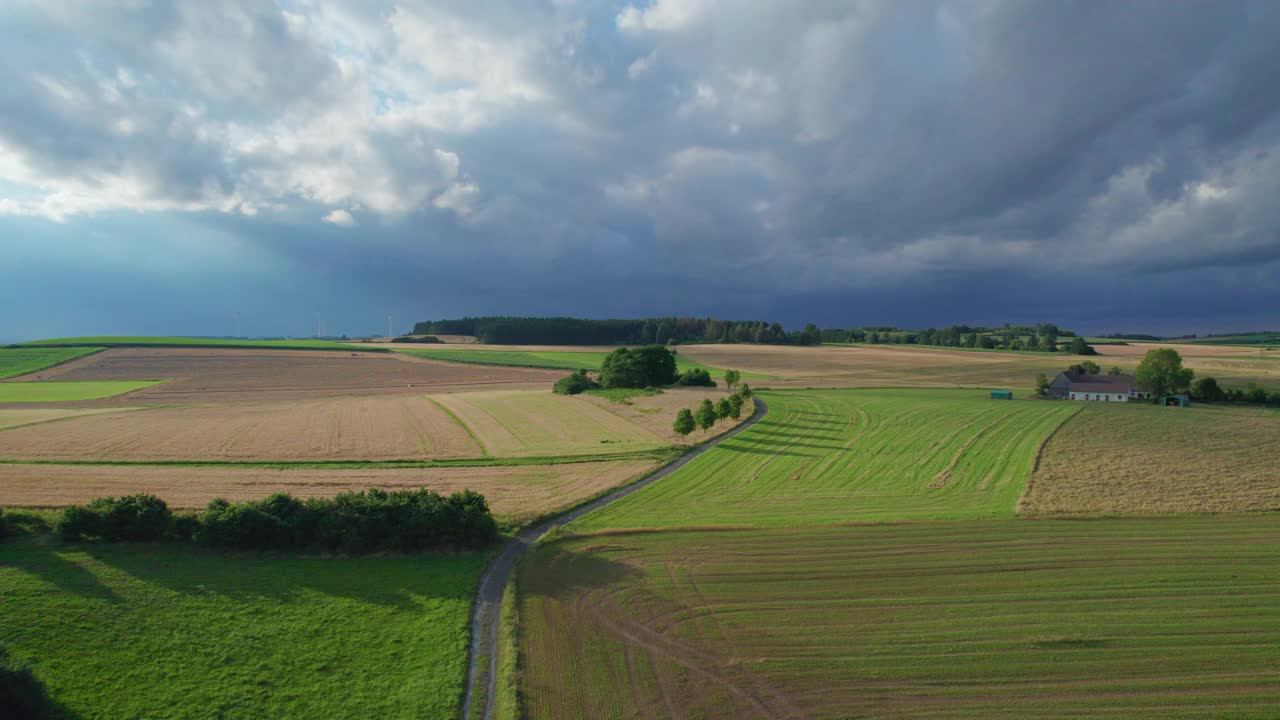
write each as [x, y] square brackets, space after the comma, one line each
[923, 163]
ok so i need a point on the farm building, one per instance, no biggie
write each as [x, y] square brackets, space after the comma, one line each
[1175, 401]
[1001, 394]
[1103, 388]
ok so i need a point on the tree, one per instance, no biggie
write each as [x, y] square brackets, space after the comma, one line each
[1255, 394]
[1042, 385]
[745, 391]
[684, 423]
[574, 383]
[723, 408]
[1080, 347]
[735, 405]
[731, 378]
[1115, 370]
[706, 415]
[648, 366]
[1207, 389]
[1049, 341]
[1161, 372]
[1088, 367]
[697, 377]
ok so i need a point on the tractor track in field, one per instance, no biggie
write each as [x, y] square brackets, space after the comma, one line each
[485, 612]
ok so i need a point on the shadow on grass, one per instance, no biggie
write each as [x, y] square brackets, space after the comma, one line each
[738, 447]
[788, 443]
[555, 572]
[47, 563]
[400, 582]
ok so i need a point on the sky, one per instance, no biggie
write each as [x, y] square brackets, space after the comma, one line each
[193, 167]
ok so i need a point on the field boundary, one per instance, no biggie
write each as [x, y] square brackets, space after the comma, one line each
[93, 350]
[1035, 464]
[454, 416]
[485, 615]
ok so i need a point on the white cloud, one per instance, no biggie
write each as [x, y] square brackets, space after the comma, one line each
[341, 218]
[641, 65]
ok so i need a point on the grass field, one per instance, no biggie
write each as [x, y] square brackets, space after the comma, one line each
[176, 341]
[1175, 618]
[28, 392]
[150, 631]
[523, 423]
[1135, 458]
[555, 359]
[854, 455]
[20, 361]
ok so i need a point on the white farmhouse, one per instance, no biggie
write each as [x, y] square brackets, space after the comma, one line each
[1101, 388]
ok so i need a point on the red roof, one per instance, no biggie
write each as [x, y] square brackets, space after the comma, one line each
[1092, 387]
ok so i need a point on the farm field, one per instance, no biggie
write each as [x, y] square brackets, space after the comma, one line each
[559, 359]
[1140, 459]
[853, 455]
[1122, 618]
[14, 417]
[150, 631]
[906, 366]
[238, 375]
[531, 423]
[175, 341]
[517, 493]
[21, 361]
[377, 427]
[53, 392]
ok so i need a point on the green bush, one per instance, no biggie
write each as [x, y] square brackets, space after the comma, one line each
[128, 518]
[22, 695]
[574, 383]
[724, 408]
[696, 377]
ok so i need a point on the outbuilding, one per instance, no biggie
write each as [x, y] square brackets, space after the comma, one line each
[1001, 394]
[1175, 401]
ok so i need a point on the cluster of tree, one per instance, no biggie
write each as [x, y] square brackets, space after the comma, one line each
[649, 331]
[420, 339]
[362, 522]
[708, 413]
[1161, 373]
[22, 695]
[1207, 389]
[1133, 336]
[1045, 337]
[574, 383]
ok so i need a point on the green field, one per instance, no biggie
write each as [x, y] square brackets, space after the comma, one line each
[20, 361]
[854, 455]
[554, 359]
[175, 341]
[154, 631]
[26, 392]
[1174, 618]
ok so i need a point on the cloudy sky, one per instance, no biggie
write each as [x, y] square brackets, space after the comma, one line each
[1105, 165]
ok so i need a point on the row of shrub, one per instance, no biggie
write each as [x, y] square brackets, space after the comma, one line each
[1206, 389]
[360, 522]
[708, 413]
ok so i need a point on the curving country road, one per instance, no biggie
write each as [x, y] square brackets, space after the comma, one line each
[484, 615]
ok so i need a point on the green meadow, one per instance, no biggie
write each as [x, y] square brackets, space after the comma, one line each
[27, 392]
[828, 456]
[20, 361]
[155, 631]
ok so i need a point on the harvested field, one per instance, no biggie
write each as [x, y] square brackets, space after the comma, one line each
[518, 493]
[1186, 350]
[1175, 618]
[906, 366]
[1140, 459]
[237, 375]
[829, 456]
[380, 427]
[657, 413]
[11, 417]
[538, 422]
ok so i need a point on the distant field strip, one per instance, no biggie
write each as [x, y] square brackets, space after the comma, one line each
[1175, 618]
[150, 340]
[524, 423]
[16, 417]
[560, 360]
[1141, 459]
[155, 631]
[29, 392]
[827, 456]
[518, 493]
[20, 361]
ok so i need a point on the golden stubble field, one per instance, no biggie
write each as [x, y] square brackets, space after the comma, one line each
[1138, 459]
[519, 493]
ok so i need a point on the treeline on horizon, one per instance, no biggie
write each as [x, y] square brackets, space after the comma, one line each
[663, 331]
